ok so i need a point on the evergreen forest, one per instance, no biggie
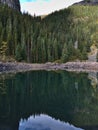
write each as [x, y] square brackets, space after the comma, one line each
[61, 36]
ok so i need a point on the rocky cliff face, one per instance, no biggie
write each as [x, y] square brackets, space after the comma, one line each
[15, 4]
[94, 1]
[87, 2]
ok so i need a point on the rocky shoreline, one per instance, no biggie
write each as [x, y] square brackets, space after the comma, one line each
[69, 66]
[82, 66]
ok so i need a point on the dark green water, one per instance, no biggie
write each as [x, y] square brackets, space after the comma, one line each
[42, 100]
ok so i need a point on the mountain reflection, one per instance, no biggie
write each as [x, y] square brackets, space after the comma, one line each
[44, 122]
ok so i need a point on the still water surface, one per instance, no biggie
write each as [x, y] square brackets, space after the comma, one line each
[42, 100]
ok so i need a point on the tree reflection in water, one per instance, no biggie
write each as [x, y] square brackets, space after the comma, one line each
[62, 95]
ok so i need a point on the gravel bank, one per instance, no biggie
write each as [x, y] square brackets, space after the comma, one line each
[18, 67]
[70, 66]
[82, 66]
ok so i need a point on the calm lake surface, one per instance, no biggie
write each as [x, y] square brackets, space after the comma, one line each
[49, 100]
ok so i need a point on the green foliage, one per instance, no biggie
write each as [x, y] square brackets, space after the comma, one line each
[53, 38]
[65, 54]
[3, 50]
[18, 53]
[97, 56]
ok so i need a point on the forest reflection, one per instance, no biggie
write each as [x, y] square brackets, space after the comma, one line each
[69, 97]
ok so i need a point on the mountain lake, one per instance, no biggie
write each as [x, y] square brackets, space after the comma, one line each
[49, 100]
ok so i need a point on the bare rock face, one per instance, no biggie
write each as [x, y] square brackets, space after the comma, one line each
[15, 4]
[94, 1]
[87, 2]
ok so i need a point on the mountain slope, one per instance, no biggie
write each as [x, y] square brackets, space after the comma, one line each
[62, 36]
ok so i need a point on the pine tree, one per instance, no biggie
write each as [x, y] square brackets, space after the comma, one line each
[65, 54]
[3, 50]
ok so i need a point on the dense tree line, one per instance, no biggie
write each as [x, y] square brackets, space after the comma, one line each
[61, 36]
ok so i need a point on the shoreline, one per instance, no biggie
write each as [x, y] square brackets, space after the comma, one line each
[69, 66]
